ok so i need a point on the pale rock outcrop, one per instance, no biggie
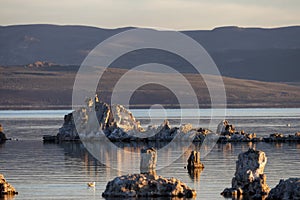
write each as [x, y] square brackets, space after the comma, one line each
[249, 179]
[147, 185]
[110, 121]
[99, 119]
[286, 190]
[228, 133]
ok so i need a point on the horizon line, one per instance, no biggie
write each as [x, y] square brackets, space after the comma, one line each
[160, 28]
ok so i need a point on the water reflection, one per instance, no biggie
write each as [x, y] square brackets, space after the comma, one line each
[195, 174]
[218, 172]
[7, 197]
[127, 158]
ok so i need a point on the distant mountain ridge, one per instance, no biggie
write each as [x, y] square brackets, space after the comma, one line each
[248, 53]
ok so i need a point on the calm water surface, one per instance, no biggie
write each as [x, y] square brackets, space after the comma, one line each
[61, 171]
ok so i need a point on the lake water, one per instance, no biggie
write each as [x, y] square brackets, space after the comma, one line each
[61, 171]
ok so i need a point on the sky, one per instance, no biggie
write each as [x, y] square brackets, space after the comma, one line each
[170, 14]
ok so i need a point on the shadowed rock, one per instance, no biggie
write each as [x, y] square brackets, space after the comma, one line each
[286, 190]
[249, 179]
[2, 135]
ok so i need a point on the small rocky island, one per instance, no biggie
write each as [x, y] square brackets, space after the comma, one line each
[286, 190]
[249, 180]
[147, 184]
[117, 123]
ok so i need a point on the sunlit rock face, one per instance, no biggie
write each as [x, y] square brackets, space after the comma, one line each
[147, 185]
[249, 179]
[99, 119]
[6, 188]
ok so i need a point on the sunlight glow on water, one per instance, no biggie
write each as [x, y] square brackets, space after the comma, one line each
[61, 171]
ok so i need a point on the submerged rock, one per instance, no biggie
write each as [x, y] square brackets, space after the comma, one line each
[249, 179]
[6, 188]
[147, 185]
[286, 190]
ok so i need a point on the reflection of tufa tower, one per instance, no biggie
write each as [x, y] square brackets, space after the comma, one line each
[148, 161]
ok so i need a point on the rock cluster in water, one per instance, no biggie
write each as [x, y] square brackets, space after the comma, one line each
[249, 180]
[286, 190]
[279, 137]
[229, 134]
[147, 185]
[118, 124]
[99, 119]
[6, 188]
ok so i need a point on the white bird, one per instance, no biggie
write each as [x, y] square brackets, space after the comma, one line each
[91, 184]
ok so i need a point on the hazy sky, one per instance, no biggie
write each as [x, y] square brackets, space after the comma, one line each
[173, 14]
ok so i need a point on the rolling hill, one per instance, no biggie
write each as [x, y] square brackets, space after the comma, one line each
[271, 55]
[51, 87]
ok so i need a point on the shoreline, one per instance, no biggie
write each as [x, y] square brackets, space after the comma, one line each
[146, 106]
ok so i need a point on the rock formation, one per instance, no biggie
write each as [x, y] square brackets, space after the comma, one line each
[147, 185]
[194, 161]
[40, 64]
[286, 190]
[279, 137]
[99, 119]
[2, 135]
[249, 179]
[113, 121]
[68, 131]
[228, 133]
[6, 188]
[195, 167]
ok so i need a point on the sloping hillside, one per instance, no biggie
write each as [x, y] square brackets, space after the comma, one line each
[247, 53]
[51, 87]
